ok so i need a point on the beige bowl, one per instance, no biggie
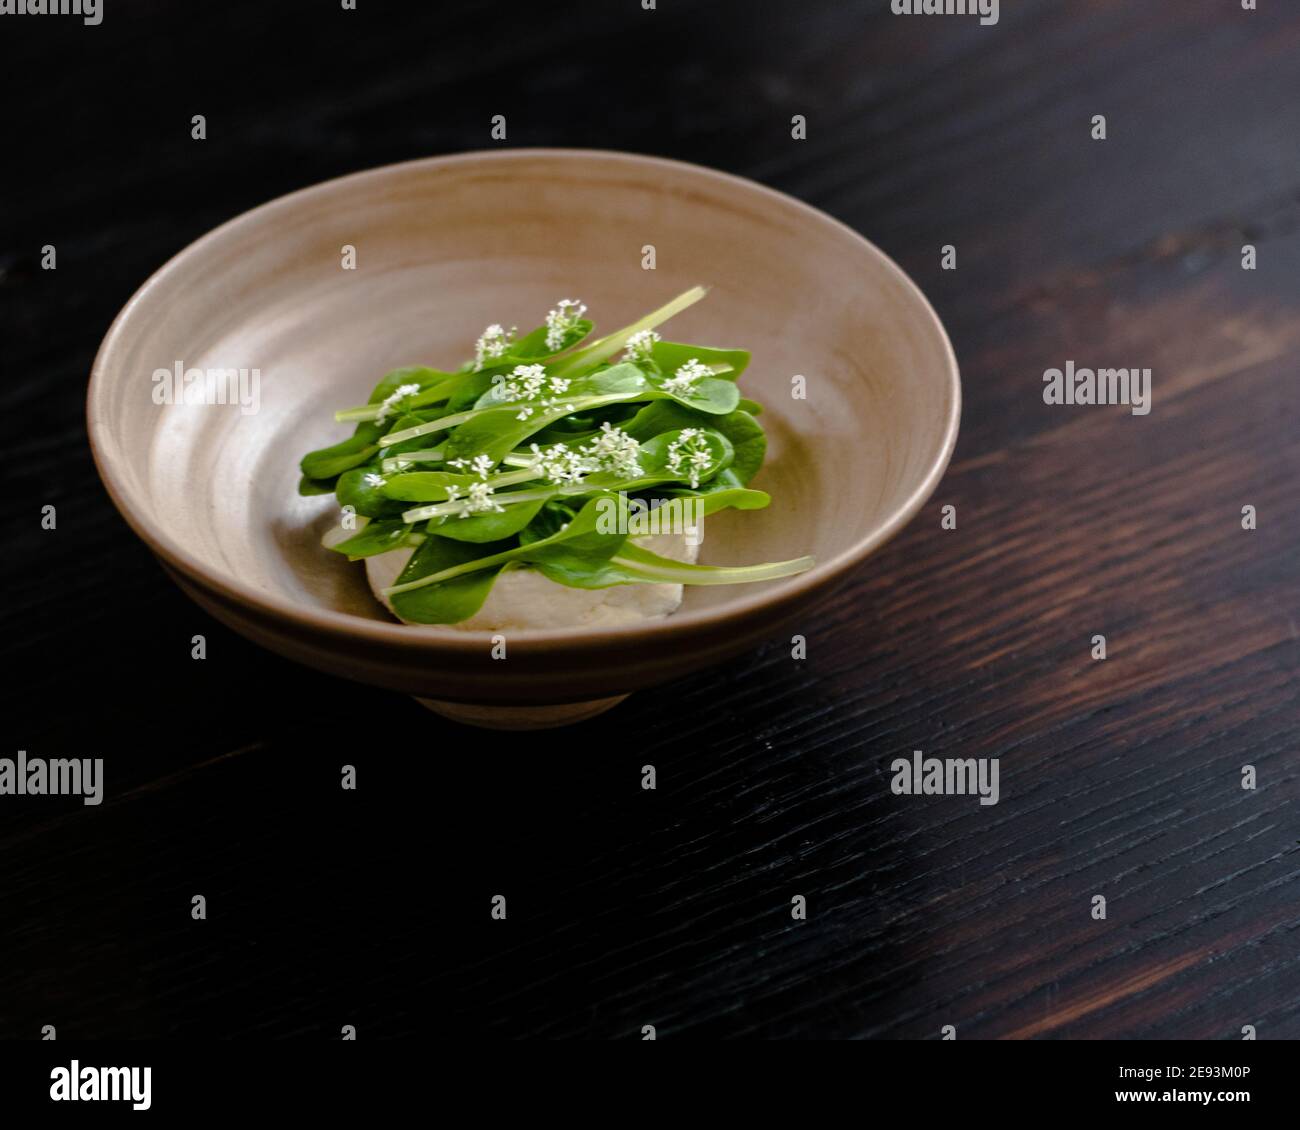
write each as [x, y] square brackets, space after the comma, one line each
[442, 247]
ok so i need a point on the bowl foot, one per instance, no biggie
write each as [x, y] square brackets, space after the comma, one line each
[521, 717]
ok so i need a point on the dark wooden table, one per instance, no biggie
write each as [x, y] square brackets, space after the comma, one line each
[1120, 778]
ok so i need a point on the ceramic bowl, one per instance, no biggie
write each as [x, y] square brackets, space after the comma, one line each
[441, 248]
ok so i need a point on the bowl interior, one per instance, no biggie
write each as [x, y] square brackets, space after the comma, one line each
[444, 247]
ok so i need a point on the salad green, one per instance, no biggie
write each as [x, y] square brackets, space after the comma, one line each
[538, 454]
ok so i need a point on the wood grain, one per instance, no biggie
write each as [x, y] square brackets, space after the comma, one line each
[1119, 778]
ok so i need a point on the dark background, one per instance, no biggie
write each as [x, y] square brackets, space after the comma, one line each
[671, 908]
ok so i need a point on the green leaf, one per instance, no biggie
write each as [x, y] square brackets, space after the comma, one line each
[490, 526]
[473, 387]
[714, 498]
[496, 432]
[575, 571]
[375, 537]
[420, 375]
[357, 488]
[633, 564]
[749, 442]
[327, 462]
[431, 385]
[441, 390]
[708, 394]
[308, 487]
[449, 601]
[409, 420]
[551, 518]
[624, 379]
[425, 486]
[532, 347]
[745, 433]
[670, 356]
[593, 531]
[654, 462]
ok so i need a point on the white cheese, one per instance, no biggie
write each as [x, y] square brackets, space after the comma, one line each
[523, 598]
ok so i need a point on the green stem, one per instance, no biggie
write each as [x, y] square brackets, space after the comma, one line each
[425, 429]
[606, 347]
[581, 404]
[455, 571]
[446, 509]
[431, 395]
[360, 412]
[432, 455]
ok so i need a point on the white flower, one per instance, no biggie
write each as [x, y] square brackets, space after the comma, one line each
[480, 465]
[373, 480]
[529, 380]
[562, 320]
[525, 382]
[682, 383]
[477, 497]
[387, 404]
[493, 344]
[480, 501]
[691, 446]
[614, 450]
[558, 464]
[529, 383]
[640, 344]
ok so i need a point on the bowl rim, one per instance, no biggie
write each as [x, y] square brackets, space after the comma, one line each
[823, 576]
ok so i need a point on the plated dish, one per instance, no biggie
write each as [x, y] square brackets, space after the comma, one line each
[859, 387]
[551, 480]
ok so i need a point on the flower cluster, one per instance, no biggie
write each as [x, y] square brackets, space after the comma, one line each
[478, 497]
[561, 321]
[682, 383]
[476, 500]
[529, 383]
[494, 343]
[480, 465]
[640, 344]
[390, 401]
[559, 464]
[692, 448]
[613, 450]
